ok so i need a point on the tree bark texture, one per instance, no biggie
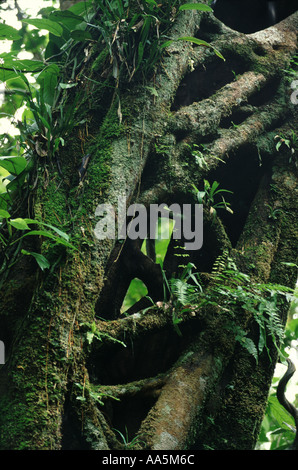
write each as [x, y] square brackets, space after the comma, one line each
[199, 390]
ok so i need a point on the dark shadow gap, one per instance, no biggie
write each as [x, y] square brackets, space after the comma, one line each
[209, 29]
[72, 438]
[250, 16]
[242, 175]
[260, 98]
[237, 117]
[145, 356]
[205, 80]
[125, 416]
[266, 93]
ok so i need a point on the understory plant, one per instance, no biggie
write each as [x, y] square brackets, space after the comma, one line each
[13, 232]
[234, 289]
[209, 197]
[132, 37]
[233, 292]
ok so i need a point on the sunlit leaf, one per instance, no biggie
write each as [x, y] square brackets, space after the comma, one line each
[42, 262]
[81, 8]
[65, 86]
[19, 224]
[8, 32]
[195, 6]
[67, 18]
[79, 35]
[48, 79]
[4, 214]
[280, 414]
[15, 165]
[48, 25]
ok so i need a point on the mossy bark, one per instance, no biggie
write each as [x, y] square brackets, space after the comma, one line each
[58, 388]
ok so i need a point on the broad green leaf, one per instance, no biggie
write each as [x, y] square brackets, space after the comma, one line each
[19, 224]
[79, 35]
[279, 413]
[31, 221]
[48, 79]
[67, 18]
[51, 69]
[42, 262]
[8, 32]
[16, 184]
[42, 23]
[4, 214]
[25, 64]
[2, 186]
[5, 200]
[12, 67]
[16, 84]
[195, 6]
[80, 8]
[15, 165]
[6, 74]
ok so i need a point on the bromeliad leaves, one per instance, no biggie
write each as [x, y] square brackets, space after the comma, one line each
[133, 37]
[136, 40]
[19, 228]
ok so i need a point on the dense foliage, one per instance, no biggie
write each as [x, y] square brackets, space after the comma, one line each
[132, 41]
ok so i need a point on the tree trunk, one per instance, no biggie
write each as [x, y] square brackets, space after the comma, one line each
[78, 372]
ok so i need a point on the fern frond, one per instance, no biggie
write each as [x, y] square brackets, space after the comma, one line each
[220, 263]
[181, 291]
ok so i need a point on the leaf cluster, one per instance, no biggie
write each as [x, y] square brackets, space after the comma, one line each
[235, 291]
[235, 294]
[209, 197]
[183, 292]
[14, 230]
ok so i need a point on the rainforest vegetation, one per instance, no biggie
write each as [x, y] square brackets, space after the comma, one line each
[120, 330]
